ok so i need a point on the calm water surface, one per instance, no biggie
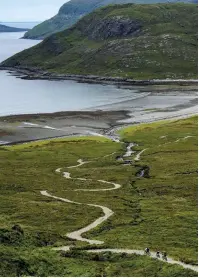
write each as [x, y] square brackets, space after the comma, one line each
[19, 96]
[36, 96]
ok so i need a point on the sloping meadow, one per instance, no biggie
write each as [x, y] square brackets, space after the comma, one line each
[158, 210]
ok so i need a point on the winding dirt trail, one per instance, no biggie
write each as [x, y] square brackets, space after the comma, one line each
[67, 175]
[140, 252]
[178, 140]
[189, 136]
[77, 235]
[80, 163]
[137, 157]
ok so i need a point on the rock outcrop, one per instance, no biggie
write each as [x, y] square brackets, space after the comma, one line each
[73, 10]
[112, 28]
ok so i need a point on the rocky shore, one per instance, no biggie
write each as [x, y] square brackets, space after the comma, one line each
[35, 74]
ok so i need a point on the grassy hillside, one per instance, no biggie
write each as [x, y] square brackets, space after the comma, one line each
[158, 210]
[73, 10]
[133, 41]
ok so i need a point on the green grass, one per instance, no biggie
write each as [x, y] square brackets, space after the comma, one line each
[72, 12]
[45, 263]
[166, 46]
[159, 211]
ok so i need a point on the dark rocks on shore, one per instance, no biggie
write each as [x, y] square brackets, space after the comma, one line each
[32, 73]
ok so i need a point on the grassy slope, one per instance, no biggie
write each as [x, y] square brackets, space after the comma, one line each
[160, 211]
[165, 48]
[72, 11]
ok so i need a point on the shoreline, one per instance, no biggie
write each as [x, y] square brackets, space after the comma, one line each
[95, 113]
[24, 128]
[109, 133]
[159, 102]
[36, 74]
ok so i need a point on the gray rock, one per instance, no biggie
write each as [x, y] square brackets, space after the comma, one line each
[112, 28]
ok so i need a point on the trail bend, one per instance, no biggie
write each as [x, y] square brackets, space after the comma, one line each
[77, 235]
[67, 175]
[137, 157]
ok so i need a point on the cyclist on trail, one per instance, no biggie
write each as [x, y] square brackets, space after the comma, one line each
[147, 251]
[158, 254]
[164, 256]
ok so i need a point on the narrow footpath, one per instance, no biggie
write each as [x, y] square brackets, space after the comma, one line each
[77, 235]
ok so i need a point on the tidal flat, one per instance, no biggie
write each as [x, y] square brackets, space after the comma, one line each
[151, 104]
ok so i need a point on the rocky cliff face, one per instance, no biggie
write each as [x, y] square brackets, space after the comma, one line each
[112, 28]
[73, 10]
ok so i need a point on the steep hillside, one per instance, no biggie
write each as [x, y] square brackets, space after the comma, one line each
[132, 41]
[4, 28]
[73, 10]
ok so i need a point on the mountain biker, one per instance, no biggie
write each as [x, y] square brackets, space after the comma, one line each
[164, 256]
[158, 254]
[147, 251]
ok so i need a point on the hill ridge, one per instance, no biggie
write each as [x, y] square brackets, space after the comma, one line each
[131, 41]
[72, 11]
